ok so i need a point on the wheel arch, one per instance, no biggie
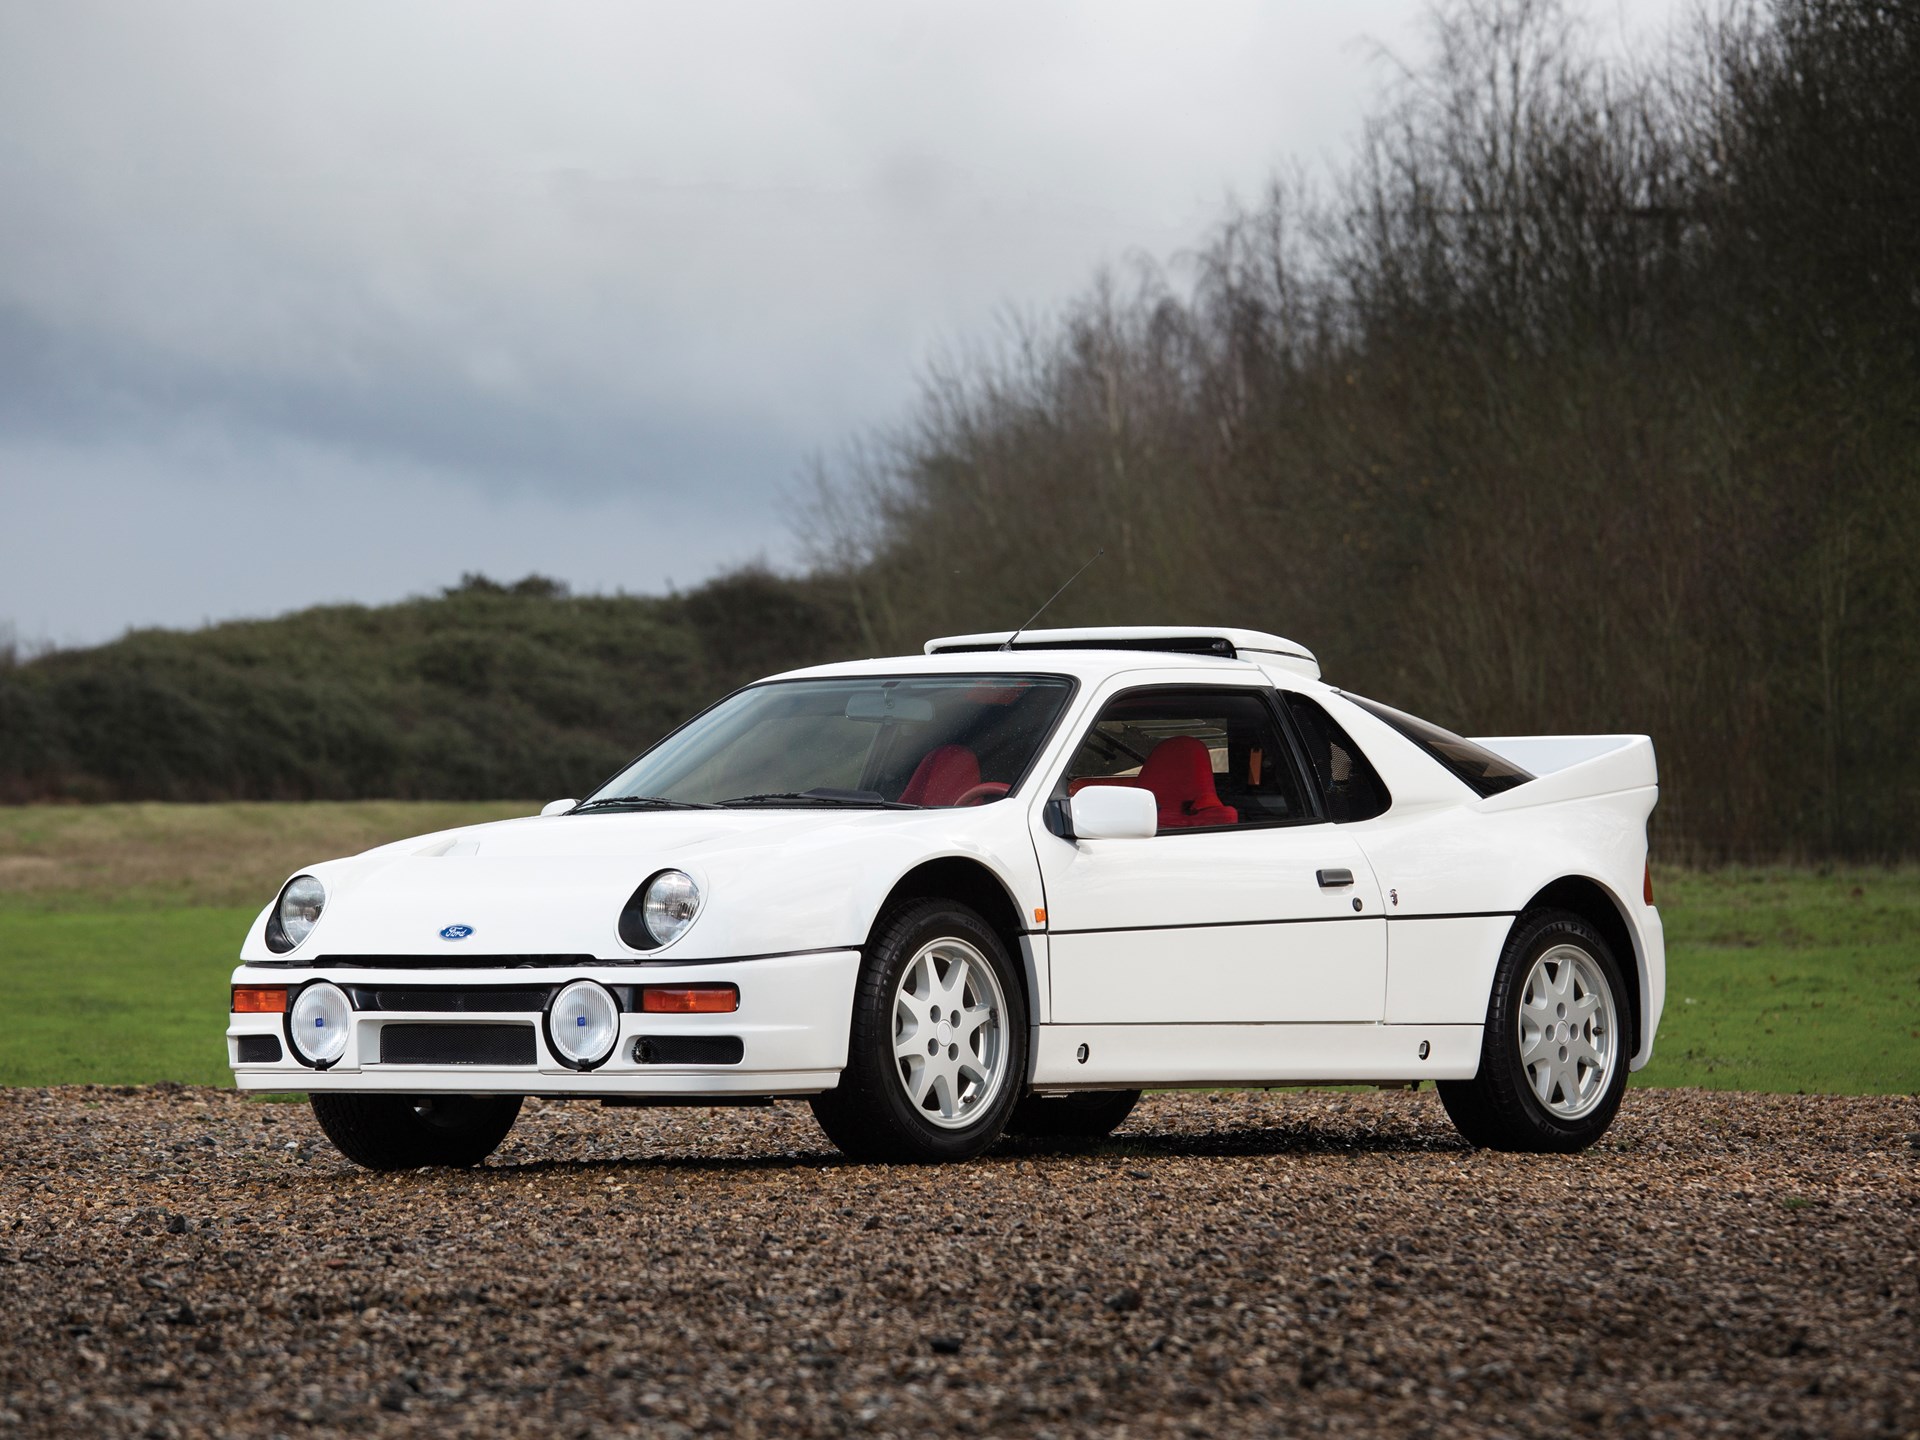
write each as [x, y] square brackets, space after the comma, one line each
[958, 877]
[975, 885]
[1594, 903]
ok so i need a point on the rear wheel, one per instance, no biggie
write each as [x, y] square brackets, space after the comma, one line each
[1082, 1115]
[937, 1050]
[1553, 1058]
[404, 1132]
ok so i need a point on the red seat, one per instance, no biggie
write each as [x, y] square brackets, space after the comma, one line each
[943, 775]
[1179, 772]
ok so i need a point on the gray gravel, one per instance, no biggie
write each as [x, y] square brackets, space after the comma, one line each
[185, 1262]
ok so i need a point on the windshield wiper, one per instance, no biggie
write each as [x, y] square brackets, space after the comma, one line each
[864, 799]
[655, 802]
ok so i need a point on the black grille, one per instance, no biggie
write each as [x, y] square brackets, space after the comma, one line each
[456, 1045]
[453, 958]
[259, 1049]
[471, 1000]
[688, 1049]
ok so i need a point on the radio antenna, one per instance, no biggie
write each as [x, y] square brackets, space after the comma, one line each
[1053, 597]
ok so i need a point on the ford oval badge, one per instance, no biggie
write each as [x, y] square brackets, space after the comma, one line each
[456, 932]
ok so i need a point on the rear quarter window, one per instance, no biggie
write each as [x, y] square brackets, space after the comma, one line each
[1350, 787]
[1475, 766]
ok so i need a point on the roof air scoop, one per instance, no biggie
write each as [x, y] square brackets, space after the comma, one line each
[1224, 642]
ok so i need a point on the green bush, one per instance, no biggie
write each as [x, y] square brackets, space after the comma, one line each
[488, 689]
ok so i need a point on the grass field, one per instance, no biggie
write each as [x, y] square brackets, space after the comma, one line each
[119, 924]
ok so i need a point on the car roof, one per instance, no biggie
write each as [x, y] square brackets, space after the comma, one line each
[1081, 664]
[1215, 640]
[1095, 651]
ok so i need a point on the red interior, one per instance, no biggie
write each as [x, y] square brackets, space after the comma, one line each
[1179, 772]
[943, 775]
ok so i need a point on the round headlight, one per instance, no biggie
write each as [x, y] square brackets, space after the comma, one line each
[300, 906]
[317, 1024]
[582, 1024]
[671, 902]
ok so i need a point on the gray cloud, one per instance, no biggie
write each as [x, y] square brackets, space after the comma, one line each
[503, 286]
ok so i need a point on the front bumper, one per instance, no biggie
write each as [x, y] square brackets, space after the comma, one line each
[791, 1026]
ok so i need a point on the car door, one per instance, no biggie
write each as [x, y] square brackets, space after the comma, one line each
[1245, 908]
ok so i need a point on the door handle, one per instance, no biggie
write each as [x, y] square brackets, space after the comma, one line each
[1333, 879]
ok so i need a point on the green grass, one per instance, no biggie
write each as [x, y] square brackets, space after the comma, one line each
[1791, 980]
[119, 926]
[118, 997]
[152, 856]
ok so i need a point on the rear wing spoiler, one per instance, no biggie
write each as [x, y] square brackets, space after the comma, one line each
[1572, 767]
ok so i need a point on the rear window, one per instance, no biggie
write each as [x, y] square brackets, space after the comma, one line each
[1482, 771]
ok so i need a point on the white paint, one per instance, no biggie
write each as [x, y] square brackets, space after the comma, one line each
[1132, 1056]
[1189, 958]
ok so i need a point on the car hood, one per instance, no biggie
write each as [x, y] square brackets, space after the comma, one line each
[772, 881]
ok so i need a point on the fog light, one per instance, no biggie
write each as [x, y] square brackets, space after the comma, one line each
[317, 1024]
[582, 1024]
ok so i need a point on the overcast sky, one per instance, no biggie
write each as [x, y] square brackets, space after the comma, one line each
[303, 303]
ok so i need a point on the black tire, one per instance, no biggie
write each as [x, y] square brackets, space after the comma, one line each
[404, 1132]
[1498, 1109]
[870, 1115]
[1082, 1115]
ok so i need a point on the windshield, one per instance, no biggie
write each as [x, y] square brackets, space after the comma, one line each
[934, 741]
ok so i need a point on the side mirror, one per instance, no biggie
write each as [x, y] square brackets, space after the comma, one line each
[1115, 812]
[558, 807]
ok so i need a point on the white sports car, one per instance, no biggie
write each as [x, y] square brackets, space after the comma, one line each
[992, 889]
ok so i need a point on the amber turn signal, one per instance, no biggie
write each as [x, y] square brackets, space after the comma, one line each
[690, 999]
[259, 1000]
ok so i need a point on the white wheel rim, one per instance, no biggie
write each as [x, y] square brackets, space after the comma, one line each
[1569, 1032]
[949, 1034]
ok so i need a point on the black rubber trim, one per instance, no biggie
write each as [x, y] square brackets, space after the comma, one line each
[1214, 925]
[452, 999]
[443, 962]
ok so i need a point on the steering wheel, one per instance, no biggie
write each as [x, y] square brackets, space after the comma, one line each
[984, 791]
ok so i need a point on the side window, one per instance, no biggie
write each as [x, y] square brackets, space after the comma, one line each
[1351, 786]
[1213, 758]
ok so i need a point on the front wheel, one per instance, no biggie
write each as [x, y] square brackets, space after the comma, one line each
[937, 1049]
[404, 1132]
[1553, 1058]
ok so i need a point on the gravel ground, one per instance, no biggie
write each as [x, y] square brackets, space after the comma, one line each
[185, 1262]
